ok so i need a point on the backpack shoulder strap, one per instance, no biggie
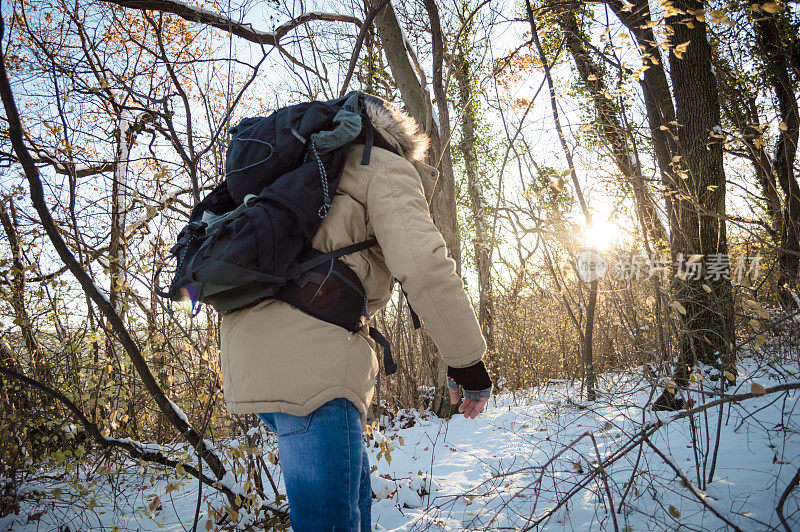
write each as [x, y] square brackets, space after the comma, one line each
[369, 133]
[336, 253]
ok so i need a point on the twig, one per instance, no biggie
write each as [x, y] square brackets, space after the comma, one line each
[206, 419]
[610, 506]
[88, 285]
[716, 447]
[362, 33]
[644, 433]
[134, 449]
[586, 337]
[779, 509]
[635, 465]
[687, 483]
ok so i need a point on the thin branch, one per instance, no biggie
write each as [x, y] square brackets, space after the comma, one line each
[65, 168]
[90, 257]
[640, 437]
[221, 22]
[554, 107]
[779, 509]
[134, 449]
[604, 476]
[691, 487]
[359, 42]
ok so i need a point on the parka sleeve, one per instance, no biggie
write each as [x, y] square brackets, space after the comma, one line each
[416, 255]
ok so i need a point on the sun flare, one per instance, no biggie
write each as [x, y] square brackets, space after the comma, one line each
[601, 234]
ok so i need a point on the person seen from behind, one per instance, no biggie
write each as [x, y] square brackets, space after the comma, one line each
[311, 381]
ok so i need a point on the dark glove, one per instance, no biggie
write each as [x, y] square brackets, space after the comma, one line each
[474, 379]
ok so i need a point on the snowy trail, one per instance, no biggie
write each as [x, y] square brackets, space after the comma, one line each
[509, 467]
[473, 461]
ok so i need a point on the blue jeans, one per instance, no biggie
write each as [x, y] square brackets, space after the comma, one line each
[325, 467]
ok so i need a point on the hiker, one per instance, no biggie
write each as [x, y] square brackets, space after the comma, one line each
[311, 381]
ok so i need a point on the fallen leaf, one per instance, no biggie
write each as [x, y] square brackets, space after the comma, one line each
[756, 307]
[760, 340]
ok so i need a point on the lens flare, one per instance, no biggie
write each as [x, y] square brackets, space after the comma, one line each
[601, 234]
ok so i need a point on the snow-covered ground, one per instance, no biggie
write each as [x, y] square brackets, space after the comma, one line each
[529, 461]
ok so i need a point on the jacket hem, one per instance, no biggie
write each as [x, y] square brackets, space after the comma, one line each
[299, 409]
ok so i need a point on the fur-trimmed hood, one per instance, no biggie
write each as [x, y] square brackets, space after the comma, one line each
[398, 128]
[403, 133]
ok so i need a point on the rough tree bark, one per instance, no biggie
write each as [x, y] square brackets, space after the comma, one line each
[688, 149]
[444, 210]
[467, 107]
[417, 100]
[707, 334]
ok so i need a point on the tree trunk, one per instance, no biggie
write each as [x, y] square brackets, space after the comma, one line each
[739, 106]
[707, 334]
[655, 89]
[585, 336]
[777, 65]
[13, 399]
[467, 146]
[588, 343]
[689, 155]
[417, 100]
[443, 206]
[173, 414]
[116, 246]
[21, 317]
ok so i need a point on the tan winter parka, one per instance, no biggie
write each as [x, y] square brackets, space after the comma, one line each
[276, 358]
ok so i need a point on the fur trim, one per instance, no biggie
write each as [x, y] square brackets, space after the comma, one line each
[398, 128]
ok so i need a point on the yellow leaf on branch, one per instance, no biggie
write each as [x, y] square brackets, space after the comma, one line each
[680, 49]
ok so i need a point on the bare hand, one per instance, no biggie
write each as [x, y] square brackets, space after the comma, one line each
[470, 408]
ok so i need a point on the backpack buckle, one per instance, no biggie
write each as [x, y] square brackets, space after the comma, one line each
[196, 227]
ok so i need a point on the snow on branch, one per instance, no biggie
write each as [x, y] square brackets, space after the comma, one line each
[240, 29]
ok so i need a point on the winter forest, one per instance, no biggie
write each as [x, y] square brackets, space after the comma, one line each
[618, 187]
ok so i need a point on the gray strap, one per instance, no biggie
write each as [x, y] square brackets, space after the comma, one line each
[212, 220]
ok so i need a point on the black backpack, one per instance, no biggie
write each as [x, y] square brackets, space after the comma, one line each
[249, 239]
